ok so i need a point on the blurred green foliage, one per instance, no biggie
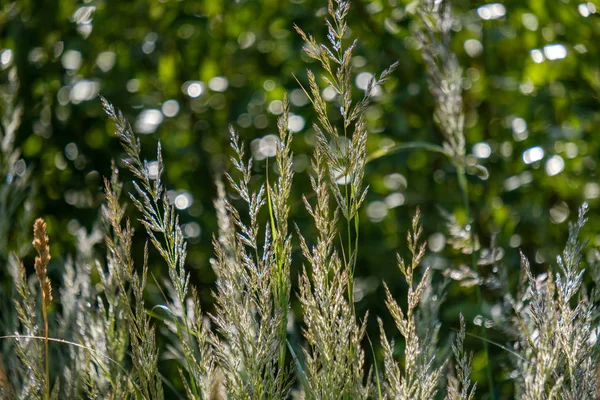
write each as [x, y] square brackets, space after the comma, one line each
[182, 71]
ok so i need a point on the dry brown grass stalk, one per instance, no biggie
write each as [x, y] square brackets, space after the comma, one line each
[40, 243]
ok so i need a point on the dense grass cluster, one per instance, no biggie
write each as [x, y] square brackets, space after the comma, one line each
[94, 336]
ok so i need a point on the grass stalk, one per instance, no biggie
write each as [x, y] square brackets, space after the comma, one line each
[40, 243]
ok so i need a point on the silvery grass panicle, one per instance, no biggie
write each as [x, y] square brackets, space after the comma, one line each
[558, 347]
[346, 152]
[334, 357]
[433, 33]
[142, 338]
[444, 73]
[94, 317]
[162, 226]
[253, 280]
[459, 386]
[419, 379]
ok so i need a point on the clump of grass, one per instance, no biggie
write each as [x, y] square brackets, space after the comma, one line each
[344, 148]
[34, 379]
[558, 346]
[29, 374]
[418, 379]
[253, 281]
[96, 339]
[93, 316]
[142, 337]
[420, 374]
[162, 226]
[106, 322]
[334, 359]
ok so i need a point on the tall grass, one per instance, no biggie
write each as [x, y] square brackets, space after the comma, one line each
[419, 378]
[558, 347]
[97, 336]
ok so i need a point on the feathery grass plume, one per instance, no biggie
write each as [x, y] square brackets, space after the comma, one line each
[444, 73]
[334, 357]
[94, 317]
[419, 379]
[253, 286]
[459, 387]
[278, 199]
[40, 243]
[162, 226]
[445, 84]
[144, 354]
[558, 346]
[460, 237]
[346, 155]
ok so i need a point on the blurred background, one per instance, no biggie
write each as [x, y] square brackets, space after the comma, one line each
[182, 71]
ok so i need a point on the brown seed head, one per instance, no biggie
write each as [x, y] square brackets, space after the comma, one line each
[40, 243]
